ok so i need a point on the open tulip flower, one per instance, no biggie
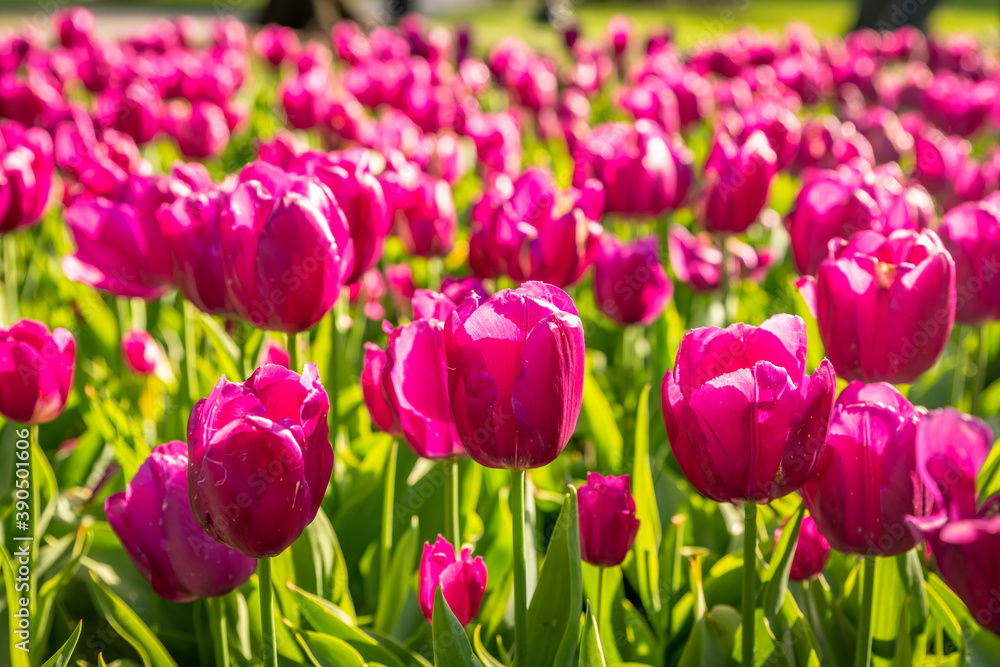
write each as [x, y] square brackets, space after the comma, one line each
[260, 459]
[745, 421]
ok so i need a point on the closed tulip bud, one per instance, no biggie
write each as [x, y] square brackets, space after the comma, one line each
[36, 371]
[630, 284]
[305, 98]
[423, 210]
[971, 234]
[286, 249]
[406, 389]
[812, 551]
[885, 304]
[135, 110]
[276, 44]
[515, 375]
[737, 182]
[140, 352]
[26, 169]
[608, 524]
[152, 518]
[746, 424]
[274, 352]
[462, 580]
[201, 130]
[260, 459]
[74, 25]
[827, 207]
[866, 484]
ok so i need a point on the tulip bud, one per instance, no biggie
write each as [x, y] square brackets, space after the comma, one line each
[866, 483]
[406, 389]
[812, 551]
[36, 371]
[201, 130]
[630, 284]
[745, 422]
[286, 249]
[885, 304]
[136, 110]
[737, 182]
[462, 580]
[152, 518]
[827, 207]
[423, 210]
[274, 352]
[515, 375]
[608, 524]
[140, 352]
[276, 44]
[260, 459]
[971, 234]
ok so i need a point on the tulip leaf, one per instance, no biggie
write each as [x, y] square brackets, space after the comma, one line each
[988, 480]
[484, 656]
[330, 651]
[392, 593]
[768, 651]
[647, 541]
[228, 352]
[327, 618]
[793, 628]
[64, 654]
[983, 647]
[711, 639]
[319, 563]
[100, 660]
[451, 645]
[597, 419]
[128, 624]
[554, 612]
[18, 658]
[774, 579]
[591, 653]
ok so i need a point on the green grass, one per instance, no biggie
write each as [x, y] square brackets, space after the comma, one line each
[701, 22]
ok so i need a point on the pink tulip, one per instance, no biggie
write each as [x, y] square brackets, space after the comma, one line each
[462, 580]
[36, 371]
[608, 524]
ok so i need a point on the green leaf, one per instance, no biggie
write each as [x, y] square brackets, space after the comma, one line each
[988, 480]
[392, 595]
[451, 645]
[484, 656]
[63, 655]
[319, 563]
[983, 646]
[332, 651]
[768, 652]
[774, 579]
[591, 653]
[554, 612]
[793, 629]
[18, 658]
[597, 419]
[128, 624]
[228, 351]
[647, 541]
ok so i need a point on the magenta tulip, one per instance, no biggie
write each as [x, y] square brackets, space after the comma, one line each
[746, 424]
[260, 459]
[201, 129]
[737, 182]
[515, 375]
[971, 234]
[36, 371]
[152, 518]
[885, 304]
[26, 169]
[422, 209]
[630, 284]
[812, 551]
[608, 524]
[286, 249]
[136, 110]
[406, 389]
[274, 352]
[866, 483]
[140, 352]
[462, 580]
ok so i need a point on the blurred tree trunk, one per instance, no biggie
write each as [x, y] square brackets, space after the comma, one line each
[886, 15]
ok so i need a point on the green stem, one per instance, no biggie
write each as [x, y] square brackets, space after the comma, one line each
[749, 579]
[958, 379]
[10, 277]
[333, 370]
[863, 652]
[435, 267]
[939, 640]
[388, 504]
[292, 343]
[724, 280]
[677, 524]
[270, 647]
[979, 381]
[190, 353]
[517, 478]
[220, 634]
[600, 594]
[452, 533]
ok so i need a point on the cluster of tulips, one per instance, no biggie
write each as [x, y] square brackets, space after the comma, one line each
[466, 207]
